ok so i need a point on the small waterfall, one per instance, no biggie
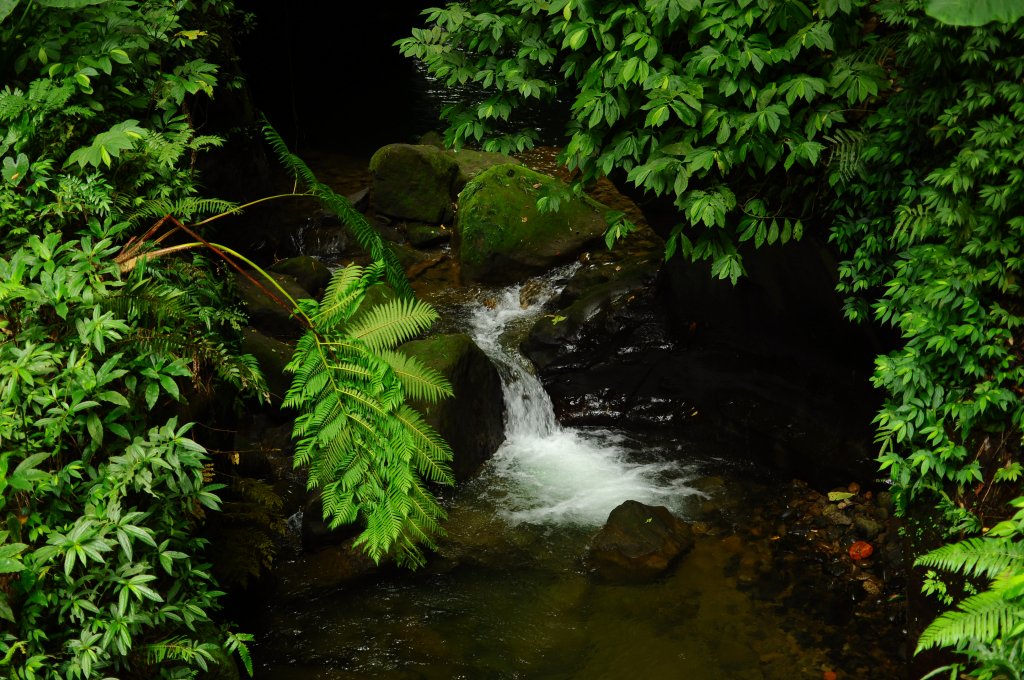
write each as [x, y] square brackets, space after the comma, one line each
[545, 473]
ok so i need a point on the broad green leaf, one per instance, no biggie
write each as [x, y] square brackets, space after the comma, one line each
[9, 561]
[68, 4]
[6, 7]
[974, 12]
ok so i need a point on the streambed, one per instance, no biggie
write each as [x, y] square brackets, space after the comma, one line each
[508, 595]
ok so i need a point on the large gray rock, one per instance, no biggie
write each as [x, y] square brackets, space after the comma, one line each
[503, 237]
[413, 182]
[309, 273]
[638, 543]
[271, 316]
[473, 421]
[271, 355]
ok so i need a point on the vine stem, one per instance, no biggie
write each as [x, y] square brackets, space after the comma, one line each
[224, 252]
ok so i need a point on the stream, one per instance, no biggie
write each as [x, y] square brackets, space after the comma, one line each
[508, 596]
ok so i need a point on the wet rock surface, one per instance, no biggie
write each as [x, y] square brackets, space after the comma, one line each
[472, 422]
[638, 543]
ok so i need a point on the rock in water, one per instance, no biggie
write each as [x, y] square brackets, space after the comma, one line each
[473, 421]
[638, 543]
[503, 237]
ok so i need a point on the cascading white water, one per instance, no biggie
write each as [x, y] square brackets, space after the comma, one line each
[545, 473]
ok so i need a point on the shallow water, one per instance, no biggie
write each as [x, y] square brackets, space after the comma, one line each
[508, 594]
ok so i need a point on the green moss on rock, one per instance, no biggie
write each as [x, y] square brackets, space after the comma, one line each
[413, 182]
[503, 237]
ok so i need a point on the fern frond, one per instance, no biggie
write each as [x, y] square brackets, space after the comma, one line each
[976, 557]
[430, 452]
[392, 323]
[367, 237]
[185, 208]
[364, 447]
[845, 157]
[982, 617]
[419, 382]
[342, 297]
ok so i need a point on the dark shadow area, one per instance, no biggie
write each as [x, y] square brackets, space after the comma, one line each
[329, 77]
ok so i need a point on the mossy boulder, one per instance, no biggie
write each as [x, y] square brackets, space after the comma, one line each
[471, 163]
[503, 237]
[272, 356]
[273, 317]
[413, 182]
[473, 421]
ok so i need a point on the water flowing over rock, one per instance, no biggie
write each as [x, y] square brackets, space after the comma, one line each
[638, 543]
[503, 237]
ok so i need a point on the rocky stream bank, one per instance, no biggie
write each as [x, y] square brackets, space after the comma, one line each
[820, 560]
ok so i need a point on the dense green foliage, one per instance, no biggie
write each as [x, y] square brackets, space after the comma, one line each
[987, 626]
[102, 490]
[707, 103]
[109, 317]
[368, 452]
[760, 119]
[932, 222]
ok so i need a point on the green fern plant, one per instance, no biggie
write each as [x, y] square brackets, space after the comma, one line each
[988, 626]
[368, 452]
[365, 234]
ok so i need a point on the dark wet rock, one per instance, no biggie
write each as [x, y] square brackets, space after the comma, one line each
[422, 235]
[308, 272]
[316, 532]
[271, 355]
[271, 315]
[272, 443]
[360, 200]
[638, 543]
[322, 571]
[626, 365]
[867, 527]
[473, 421]
[502, 236]
[329, 241]
[413, 182]
[593, 312]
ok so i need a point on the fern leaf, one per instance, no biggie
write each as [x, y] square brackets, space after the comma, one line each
[976, 557]
[392, 323]
[420, 382]
[430, 453]
[983, 617]
[342, 297]
[364, 447]
[367, 237]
